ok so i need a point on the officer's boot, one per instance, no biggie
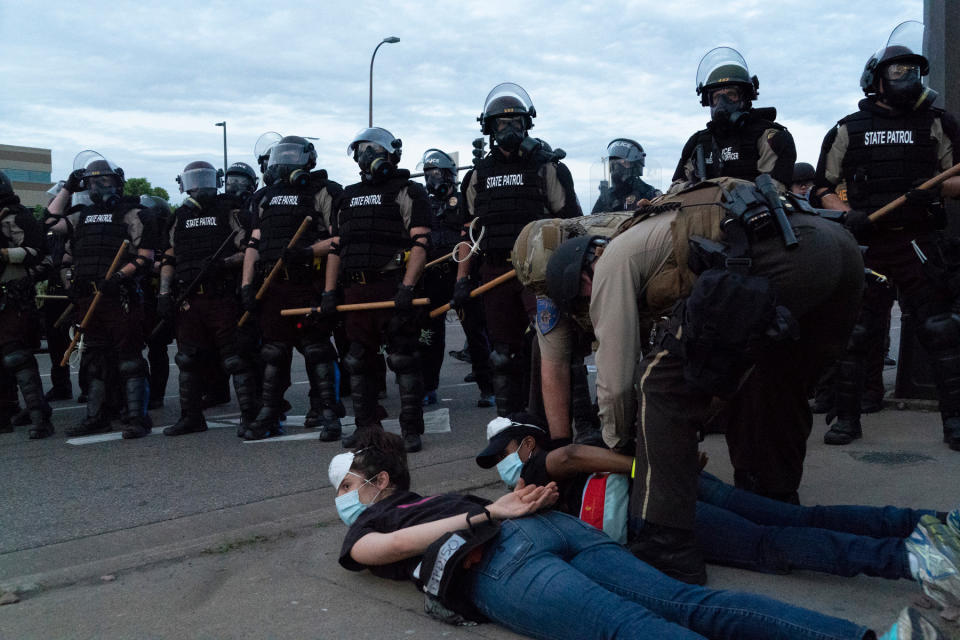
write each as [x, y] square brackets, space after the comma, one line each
[365, 385]
[93, 367]
[586, 423]
[410, 383]
[321, 359]
[940, 335]
[136, 390]
[245, 386]
[849, 387]
[191, 394]
[507, 380]
[670, 550]
[267, 422]
[24, 367]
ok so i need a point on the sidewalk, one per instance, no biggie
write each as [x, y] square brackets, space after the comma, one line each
[269, 569]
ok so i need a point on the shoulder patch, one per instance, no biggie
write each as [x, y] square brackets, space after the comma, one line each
[548, 315]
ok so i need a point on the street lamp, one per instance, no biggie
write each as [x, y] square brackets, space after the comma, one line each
[388, 40]
[224, 125]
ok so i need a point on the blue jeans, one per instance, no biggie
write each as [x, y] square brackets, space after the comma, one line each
[553, 576]
[741, 529]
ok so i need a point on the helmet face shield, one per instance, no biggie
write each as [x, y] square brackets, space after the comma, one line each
[724, 66]
[289, 154]
[507, 100]
[436, 159]
[376, 135]
[198, 178]
[237, 184]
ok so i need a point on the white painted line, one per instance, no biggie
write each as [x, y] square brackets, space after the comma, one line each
[433, 422]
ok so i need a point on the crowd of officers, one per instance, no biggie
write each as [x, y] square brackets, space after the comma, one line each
[216, 274]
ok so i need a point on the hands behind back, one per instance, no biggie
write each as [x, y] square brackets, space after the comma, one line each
[524, 500]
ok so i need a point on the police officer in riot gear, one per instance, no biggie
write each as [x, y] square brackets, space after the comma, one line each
[517, 183]
[156, 344]
[208, 315]
[740, 141]
[894, 142]
[381, 219]
[625, 159]
[295, 193]
[803, 178]
[240, 180]
[23, 261]
[114, 337]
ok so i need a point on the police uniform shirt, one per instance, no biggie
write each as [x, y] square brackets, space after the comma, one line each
[837, 141]
[399, 510]
[619, 282]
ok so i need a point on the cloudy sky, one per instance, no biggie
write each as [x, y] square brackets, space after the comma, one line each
[144, 84]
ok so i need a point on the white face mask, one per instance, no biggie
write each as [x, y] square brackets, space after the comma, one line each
[349, 506]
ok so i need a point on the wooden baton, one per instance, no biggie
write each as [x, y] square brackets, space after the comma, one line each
[929, 184]
[439, 260]
[64, 316]
[93, 304]
[479, 291]
[276, 268]
[360, 306]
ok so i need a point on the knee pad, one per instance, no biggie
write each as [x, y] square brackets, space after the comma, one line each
[234, 364]
[502, 359]
[16, 360]
[940, 332]
[355, 358]
[403, 362]
[188, 359]
[274, 353]
[94, 362]
[321, 351]
[132, 366]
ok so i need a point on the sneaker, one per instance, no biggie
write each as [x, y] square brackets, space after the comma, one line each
[935, 548]
[412, 443]
[911, 624]
[487, 401]
[430, 398]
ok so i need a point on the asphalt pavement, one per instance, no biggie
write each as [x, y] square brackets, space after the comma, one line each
[205, 536]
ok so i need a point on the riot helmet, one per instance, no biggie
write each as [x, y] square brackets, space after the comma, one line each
[725, 85]
[565, 266]
[376, 152]
[199, 179]
[626, 159]
[439, 172]
[6, 186]
[803, 178]
[261, 150]
[507, 115]
[160, 207]
[103, 179]
[291, 160]
[896, 70]
[240, 179]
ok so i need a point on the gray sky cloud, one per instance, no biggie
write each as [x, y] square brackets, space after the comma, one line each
[145, 84]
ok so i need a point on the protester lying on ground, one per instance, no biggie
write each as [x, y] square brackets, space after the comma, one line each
[735, 527]
[539, 572]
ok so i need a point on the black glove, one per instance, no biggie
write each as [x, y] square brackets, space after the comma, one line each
[74, 182]
[858, 222]
[923, 197]
[165, 308]
[328, 303]
[248, 298]
[111, 286]
[404, 298]
[461, 293]
[298, 255]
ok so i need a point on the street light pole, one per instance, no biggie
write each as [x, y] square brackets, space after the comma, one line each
[224, 125]
[388, 40]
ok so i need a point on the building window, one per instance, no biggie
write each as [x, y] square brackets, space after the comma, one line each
[22, 175]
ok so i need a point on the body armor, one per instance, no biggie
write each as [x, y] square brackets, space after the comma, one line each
[446, 224]
[96, 239]
[283, 209]
[510, 195]
[732, 151]
[372, 232]
[886, 156]
[198, 234]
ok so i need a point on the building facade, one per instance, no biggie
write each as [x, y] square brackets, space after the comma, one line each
[29, 170]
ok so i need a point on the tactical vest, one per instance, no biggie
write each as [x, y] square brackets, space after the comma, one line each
[198, 234]
[283, 209]
[96, 238]
[732, 151]
[509, 195]
[372, 233]
[446, 223]
[885, 157]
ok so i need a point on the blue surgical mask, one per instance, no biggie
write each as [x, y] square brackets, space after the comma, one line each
[509, 469]
[349, 506]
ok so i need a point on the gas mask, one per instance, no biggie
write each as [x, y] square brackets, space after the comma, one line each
[294, 175]
[203, 193]
[104, 191]
[903, 88]
[237, 185]
[375, 162]
[725, 111]
[436, 184]
[509, 133]
[620, 175]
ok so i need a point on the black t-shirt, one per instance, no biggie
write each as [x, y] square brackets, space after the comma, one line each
[397, 511]
[534, 471]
